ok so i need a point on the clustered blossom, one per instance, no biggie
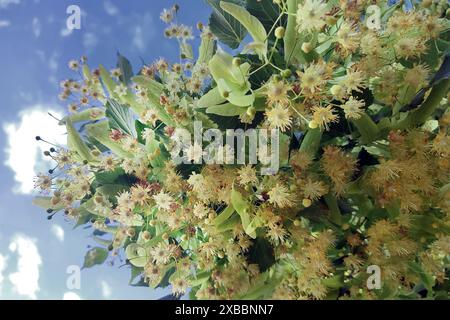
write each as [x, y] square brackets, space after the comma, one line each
[361, 181]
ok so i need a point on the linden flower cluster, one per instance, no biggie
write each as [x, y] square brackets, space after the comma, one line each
[364, 154]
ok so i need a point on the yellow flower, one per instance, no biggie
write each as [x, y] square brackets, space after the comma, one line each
[417, 75]
[163, 200]
[279, 196]
[323, 116]
[311, 15]
[247, 174]
[313, 190]
[276, 92]
[353, 81]
[339, 166]
[353, 109]
[279, 118]
[313, 78]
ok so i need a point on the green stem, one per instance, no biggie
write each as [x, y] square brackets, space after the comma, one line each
[311, 142]
[366, 127]
[421, 114]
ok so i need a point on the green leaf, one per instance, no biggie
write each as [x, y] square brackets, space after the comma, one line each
[334, 282]
[242, 207]
[206, 50]
[223, 216]
[136, 255]
[199, 279]
[76, 143]
[86, 72]
[95, 256]
[135, 272]
[226, 109]
[100, 132]
[45, 203]
[240, 100]
[109, 177]
[90, 114]
[120, 117]
[293, 40]
[262, 288]
[221, 67]
[151, 85]
[427, 279]
[154, 90]
[165, 280]
[266, 11]
[186, 50]
[251, 23]
[107, 80]
[111, 189]
[224, 26]
[125, 69]
[229, 224]
[84, 217]
[211, 98]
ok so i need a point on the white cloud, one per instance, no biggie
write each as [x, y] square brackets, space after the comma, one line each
[110, 8]
[58, 232]
[26, 278]
[106, 289]
[53, 62]
[138, 38]
[71, 296]
[6, 3]
[2, 268]
[24, 155]
[36, 26]
[142, 32]
[90, 40]
[4, 23]
[65, 32]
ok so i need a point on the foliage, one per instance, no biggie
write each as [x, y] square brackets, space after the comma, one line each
[364, 153]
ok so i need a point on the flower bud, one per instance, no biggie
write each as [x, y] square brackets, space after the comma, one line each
[307, 202]
[297, 223]
[336, 90]
[277, 78]
[307, 47]
[313, 125]
[279, 32]
[286, 73]
[237, 62]
[131, 232]
[146, 235]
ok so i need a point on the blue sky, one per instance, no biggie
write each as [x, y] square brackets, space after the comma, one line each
[35, 49]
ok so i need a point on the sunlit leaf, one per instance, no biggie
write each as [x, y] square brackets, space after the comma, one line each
[94, 257]
[226, 28]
